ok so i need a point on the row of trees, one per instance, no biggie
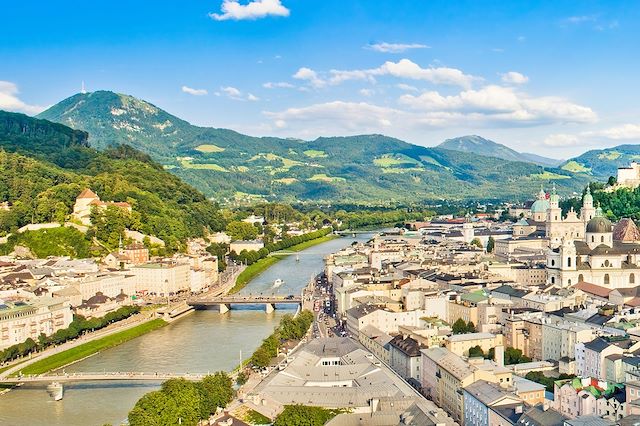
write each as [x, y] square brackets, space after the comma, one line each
[290, 328]
[250, 257]
[78, 326]
[511, 355]
[539, 377]
[181, 402]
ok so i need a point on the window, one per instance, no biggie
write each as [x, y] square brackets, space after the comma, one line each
[606, 278]
[569, 262]
[580, 278]
[553, 262]
[602, 239]
[632, 278]
[593, 239]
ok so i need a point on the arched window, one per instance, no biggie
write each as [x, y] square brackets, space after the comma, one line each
[632, 278]
[569, 282]
[553, 280]
[593, 239]
[602, 239]
[606, 279]
[553, 262]
[606, 263]
[569, 262]
[580, 278]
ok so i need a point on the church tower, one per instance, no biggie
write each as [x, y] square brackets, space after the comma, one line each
[587, 212]
[467, 229]
[554, 219]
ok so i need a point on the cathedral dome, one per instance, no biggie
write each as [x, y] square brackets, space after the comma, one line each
[599, 225]
[540, 206]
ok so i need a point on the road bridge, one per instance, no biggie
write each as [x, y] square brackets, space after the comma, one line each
[101, 376]
[224, 303]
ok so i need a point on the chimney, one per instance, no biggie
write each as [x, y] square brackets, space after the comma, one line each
[499, 355]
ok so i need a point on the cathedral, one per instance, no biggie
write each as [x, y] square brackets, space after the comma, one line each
[581, 247]
[547, 221]
[589, 248]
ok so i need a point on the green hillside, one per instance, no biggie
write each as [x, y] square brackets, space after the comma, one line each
[603, 163]
[41, 191]
[368, 169]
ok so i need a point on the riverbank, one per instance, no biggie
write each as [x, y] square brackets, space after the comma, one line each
[85, 350]
[260, 266]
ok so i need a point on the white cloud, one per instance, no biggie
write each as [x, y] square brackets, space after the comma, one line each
[309, 75]
[331, 117]
[194, 92]
[278, 85]
[232, 92]
[235, 94]
[256, 9]
[561, 140]
[395, 47]
[623, 132]
[404, 69]
[9, 100]
[513, 77]
[504, 104]
[410, 70]
[407, 87]
[581, 19]
[366, 92]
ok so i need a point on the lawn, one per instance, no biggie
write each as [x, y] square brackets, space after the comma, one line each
[209, 148]
[187, 164]
[546, 175]
[314, 153]
[69, 356]
[324, 178]
[575, 167]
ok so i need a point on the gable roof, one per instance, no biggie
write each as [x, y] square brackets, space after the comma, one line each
[87, 193]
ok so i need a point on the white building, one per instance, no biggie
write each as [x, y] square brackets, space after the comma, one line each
[162, 278]
[20, 320]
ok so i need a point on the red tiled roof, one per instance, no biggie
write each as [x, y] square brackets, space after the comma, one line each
[87, 193]
[596, 290]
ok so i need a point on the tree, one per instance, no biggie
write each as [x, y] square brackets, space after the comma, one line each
[459, 327]
[215, 391]
[476, 242]
[300, 415]
[238, 230]
[491, 244]
[154, 409]
[476, 351]
[514, 356]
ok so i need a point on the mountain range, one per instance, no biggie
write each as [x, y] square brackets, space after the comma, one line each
[479, 145]
[225, 164]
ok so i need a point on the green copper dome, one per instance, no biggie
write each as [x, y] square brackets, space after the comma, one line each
[540, 206]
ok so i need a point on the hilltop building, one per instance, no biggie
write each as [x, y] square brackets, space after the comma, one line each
[629, 177]
[89, 199]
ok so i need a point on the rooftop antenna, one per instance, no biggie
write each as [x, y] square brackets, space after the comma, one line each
[83, 90]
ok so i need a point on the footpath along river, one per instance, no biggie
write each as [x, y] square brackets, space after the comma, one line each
[204, 341]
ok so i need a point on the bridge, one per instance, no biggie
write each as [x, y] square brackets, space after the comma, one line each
[224, 303]
[102, 376]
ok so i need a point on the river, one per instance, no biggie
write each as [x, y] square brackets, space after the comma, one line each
[204, 341]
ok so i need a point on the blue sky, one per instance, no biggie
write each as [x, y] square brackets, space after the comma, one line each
[555, 78]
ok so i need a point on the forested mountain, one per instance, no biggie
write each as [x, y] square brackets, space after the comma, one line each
[44, 166]
[602, 163]
[479, 145]
[366, 169]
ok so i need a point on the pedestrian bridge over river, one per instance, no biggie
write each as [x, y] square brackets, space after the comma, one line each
[224, 303]
[101, 376]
